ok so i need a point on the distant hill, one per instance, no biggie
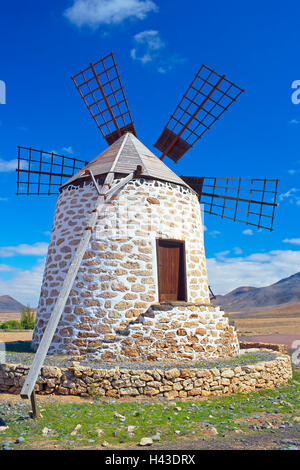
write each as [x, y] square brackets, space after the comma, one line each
[246, 298]
[9, 304]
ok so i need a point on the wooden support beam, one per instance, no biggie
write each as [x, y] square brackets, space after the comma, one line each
[35, 410]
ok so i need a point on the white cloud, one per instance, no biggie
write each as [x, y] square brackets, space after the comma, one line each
[221, 254]
[214, 233]
[237, 250]
[11, 165]
[8, 165]
[5, 268]
[170, 62]
[147, 45]
[95, 12]
[248, 231]
[68, 150]
[291, 196]
[24, 285]
[256, 270]
[294, 121]
[36, 249]
[293, 241]
[288, 194]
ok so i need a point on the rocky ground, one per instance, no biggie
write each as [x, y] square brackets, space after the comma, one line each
[266, 420]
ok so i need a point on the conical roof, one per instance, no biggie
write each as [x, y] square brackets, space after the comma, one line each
[123, 156]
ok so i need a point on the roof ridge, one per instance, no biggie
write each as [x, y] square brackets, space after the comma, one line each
[141, 160]
[119, 152]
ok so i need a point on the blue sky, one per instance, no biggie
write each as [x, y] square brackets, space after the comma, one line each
[256, 44]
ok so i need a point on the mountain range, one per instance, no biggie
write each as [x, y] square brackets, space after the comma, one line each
[285, 291]
[9, 304]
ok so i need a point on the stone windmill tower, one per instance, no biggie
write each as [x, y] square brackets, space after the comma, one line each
[125, 275]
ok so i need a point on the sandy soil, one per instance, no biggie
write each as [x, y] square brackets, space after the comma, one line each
[283, 320]
[267, 326]
[11, 336]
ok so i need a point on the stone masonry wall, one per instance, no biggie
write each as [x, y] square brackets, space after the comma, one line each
[169, 383]
[117, 279]
[169, 332]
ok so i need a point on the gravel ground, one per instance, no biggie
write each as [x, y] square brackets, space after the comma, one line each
[287, 439]
[246, 357]
[284, 435]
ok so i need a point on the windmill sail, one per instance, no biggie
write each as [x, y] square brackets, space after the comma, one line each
[247, 200]
[42, 172]
[100, 87]
[206, 99]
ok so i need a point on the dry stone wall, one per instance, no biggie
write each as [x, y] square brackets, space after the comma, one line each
[170, 383]
[117, 280]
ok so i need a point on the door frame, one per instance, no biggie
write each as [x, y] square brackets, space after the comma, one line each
[182, 244]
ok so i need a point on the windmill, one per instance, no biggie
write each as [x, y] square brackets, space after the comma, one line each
[133, 278]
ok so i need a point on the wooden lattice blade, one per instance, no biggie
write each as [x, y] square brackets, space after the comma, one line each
[206, 99]
[40, 172]
[248, 200]
[100, 87]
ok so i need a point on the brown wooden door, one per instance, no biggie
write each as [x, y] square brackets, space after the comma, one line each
[171, 272]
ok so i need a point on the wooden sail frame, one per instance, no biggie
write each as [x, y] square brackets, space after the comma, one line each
[101, 89]
[40, 172]
[248, 200]
[208, 96]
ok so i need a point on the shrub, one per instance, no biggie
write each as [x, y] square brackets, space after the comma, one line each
[11, 325]
[27, 318]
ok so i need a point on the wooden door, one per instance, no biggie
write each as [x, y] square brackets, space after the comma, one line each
[171, 270]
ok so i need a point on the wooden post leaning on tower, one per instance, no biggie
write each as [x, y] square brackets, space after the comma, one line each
[29, 384]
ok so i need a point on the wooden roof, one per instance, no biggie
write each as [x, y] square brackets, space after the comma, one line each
[123, 156]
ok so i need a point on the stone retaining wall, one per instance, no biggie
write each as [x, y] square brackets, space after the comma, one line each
[275, 347]
[169, 383]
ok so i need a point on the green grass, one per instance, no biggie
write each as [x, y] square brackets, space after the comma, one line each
[192, 418]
